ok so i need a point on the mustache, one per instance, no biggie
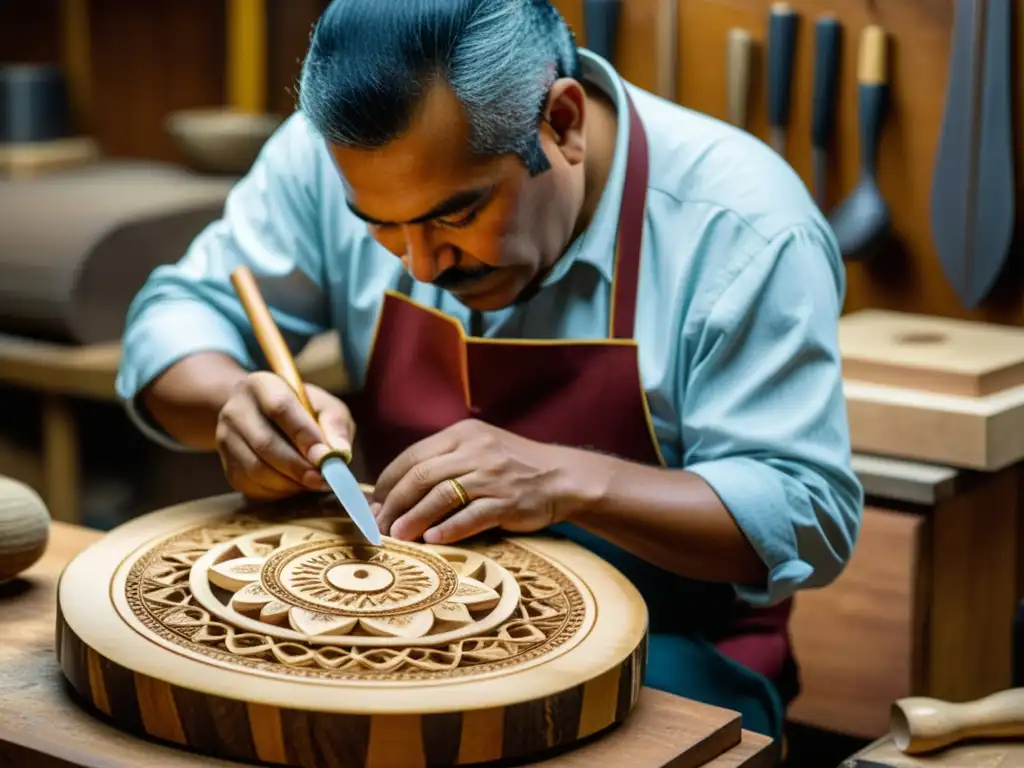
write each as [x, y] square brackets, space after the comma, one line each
[454, 278]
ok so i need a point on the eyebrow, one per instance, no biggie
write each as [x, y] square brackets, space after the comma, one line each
[457, 202]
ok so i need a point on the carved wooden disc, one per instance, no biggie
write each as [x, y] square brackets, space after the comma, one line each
[277, 633]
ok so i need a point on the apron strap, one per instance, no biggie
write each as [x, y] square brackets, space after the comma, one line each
[626, 276]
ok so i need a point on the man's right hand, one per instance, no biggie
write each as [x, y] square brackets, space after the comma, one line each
[270, 446]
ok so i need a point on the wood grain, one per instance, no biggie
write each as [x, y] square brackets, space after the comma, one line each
[953, 357]
[663, 726]
[556, 656]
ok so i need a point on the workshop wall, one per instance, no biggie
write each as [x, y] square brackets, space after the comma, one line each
[151, 58]
[908, 277]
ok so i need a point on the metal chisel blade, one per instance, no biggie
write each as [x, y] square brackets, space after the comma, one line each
[346, 488]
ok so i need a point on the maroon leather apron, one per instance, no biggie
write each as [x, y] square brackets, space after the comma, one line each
[425, 374]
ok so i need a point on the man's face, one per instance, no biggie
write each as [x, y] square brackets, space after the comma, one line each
[481, 228]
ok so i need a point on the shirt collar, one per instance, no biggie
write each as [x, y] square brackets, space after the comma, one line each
[596, 244]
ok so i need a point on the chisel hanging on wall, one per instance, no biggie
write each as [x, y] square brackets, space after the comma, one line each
[972, 202]
[823, 116]
[782, 28]
[601, 24]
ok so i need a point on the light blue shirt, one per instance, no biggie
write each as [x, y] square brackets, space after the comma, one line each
[740, 291]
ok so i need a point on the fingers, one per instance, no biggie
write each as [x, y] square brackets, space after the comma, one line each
[243, 418]
[481, 515]
[280, 405]
[251, 476]
[423, 495]
[430, 448]
[335, 421]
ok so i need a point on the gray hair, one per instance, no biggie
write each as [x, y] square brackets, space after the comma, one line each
[370, 63]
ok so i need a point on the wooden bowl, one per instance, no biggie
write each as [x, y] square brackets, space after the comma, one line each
[24, 528]
[220, 140]
[276, 633]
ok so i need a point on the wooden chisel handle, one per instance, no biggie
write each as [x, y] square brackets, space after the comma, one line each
[873, 92]
[921, 724]
[738, 62]
[268, 334]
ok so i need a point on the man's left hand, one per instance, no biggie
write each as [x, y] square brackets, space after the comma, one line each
[512, 483]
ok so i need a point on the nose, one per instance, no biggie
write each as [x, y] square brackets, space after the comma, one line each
[425, 258]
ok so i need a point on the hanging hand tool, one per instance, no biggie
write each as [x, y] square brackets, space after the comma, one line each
[601, 25]
[972, 202]
[738, 64]
[823, 118]
[668, 55]
[782, 28]
[861, 222]
[334, 466]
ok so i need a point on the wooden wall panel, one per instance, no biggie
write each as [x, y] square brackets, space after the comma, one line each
[150, 59]
[910, 278]
[289, 24]
[29, 31]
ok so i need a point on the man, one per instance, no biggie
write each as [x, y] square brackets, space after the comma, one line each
[563, 303]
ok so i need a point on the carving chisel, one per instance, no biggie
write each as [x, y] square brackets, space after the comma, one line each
[826, 71]
[782, 24]
[334, 466]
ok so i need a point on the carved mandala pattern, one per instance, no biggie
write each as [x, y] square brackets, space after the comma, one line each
[307, 597]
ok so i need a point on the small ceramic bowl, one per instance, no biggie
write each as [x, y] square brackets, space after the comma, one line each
[220, 140]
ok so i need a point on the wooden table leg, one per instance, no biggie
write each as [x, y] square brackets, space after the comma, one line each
[967, 591]
[61, 471]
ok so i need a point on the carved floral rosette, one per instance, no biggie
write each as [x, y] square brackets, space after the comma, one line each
[305, 597]
[277, 633]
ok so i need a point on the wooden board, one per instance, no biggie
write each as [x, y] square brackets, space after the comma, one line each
[952, 357]
[26, 161]
[978, 755]
[275, 632]
[983, 433]
[854, 639]
[34, 705]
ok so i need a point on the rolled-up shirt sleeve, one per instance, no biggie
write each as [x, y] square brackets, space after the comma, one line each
[270, 224]
[765, 421]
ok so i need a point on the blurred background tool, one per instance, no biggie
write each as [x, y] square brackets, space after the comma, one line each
[601, 23]
[668, 52]
[972, 199]
[782, 31]
[739, 61]
[861, 222]
[827, 39]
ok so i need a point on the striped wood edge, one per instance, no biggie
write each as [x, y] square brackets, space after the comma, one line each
[240, 730]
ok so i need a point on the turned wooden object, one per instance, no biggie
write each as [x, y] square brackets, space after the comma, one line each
[275, 633]
[24, 528]
[921, 724]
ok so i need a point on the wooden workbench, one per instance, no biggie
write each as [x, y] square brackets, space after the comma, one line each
[935, 540]
[41, 726]
[926, 603]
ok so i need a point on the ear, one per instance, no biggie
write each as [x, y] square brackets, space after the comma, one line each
[565, 115]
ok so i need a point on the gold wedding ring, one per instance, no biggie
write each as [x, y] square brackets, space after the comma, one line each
[460, 492]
